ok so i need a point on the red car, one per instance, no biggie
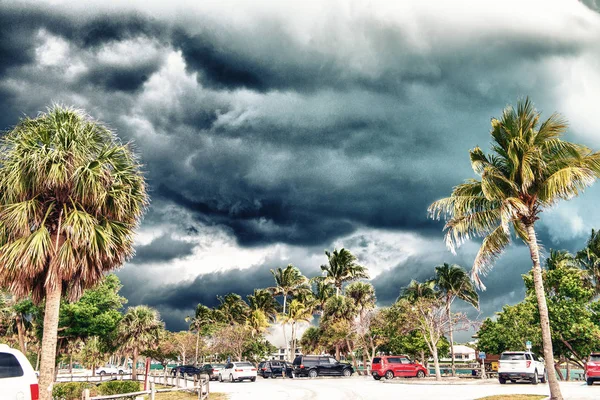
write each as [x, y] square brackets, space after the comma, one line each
[392, 366]
[592, 369]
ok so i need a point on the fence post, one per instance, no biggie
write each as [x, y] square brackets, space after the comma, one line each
[152, 391]
[86, 394]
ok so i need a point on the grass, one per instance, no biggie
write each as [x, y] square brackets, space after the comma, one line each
[185, 395]
[514, 397]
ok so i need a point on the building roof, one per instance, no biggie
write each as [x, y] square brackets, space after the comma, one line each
[462, 349]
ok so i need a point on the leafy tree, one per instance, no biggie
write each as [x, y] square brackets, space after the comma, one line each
[342, 267]
[232, 309]
[71, 195]
[258, 322]
[322, 291]
[311, 340]
[95, 314]
[453, 282]
[258, 349]
[362, 294]
[164, 351]
[262, 300]
[140, 330]
[184, 344]
[531, 168]
[339, 311]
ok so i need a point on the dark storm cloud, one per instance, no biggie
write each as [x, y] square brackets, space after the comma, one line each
[162, 249]
[300, 135]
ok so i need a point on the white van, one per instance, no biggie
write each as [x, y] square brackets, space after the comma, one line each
[18, 380]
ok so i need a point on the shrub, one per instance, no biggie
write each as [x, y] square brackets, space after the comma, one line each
[71, 390]
[118, 387]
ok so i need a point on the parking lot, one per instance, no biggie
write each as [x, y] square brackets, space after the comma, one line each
[366, 388]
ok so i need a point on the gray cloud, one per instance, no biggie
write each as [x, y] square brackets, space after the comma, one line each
[275, 130]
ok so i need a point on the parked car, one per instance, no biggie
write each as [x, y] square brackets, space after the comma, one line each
[521, 365]
[392, 366]
[18, 380]
[112, 369]
[313, 366]
[238, 371]
[274, 369]
[184, 370]
[592, 369]
[212, 370]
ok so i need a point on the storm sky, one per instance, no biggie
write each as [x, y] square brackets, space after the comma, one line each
[271, 131]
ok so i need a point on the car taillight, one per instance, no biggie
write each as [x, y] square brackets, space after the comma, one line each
[238, 370]
[301, 366]
[35, 391]
[528, 364]
[263, 369]
[253, 369]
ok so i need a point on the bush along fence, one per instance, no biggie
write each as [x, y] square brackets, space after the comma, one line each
[76, 387]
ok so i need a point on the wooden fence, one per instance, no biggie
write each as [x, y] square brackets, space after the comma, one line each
[201, 389]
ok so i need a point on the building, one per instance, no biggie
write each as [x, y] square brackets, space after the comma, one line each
[282, 352]
[463, 353]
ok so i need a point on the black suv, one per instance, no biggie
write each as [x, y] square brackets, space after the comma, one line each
[189, 370]
[313, 366]
[274, 369]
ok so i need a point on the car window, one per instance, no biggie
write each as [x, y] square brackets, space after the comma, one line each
[405, 360]
[229, 366]
[9, 366]
[310, 361]
[534, 357]
[595, 357]
[512, 356]
[218, 365]
[275, 364]
[394, 360]
[244, 364]
[332, 361]
[528, 356]
[376, 360]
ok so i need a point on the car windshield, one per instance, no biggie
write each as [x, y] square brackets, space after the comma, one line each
[512, 356]
[243, 364]
[595, 357]
[218, 365]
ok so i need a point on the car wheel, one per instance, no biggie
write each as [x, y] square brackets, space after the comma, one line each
[589, 382]
[534, 380]
[420, 374]
[252, 379]
[544, 378]
[220, 378]
[389, 375]
[231, 378]
[102, 373]
[513, 381]
[376, 377]
[312, 373]
[121, 372]
[347, 372]
[266, 375]
[502, 381]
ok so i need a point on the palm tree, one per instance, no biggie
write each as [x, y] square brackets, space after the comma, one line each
[362, 294]
[589, 258]
[232, 309]
[288, 282]
[338, 310]
[322, 292]
[71, 196]
[530, 168]
[417, 290]
[342, 267]
[452, 281]
[202, 318]
[298, 312]
[140, 329]
[262, 300]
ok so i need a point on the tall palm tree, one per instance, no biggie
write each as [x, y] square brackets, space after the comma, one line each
[416, 290]
[232, 309]
[140, 330]
[298, 312]
[71, 196]
[362, 294]
[589, 258]
[342, 267]
[453, 281]
[322, 292]
[288, 282]
[530, 168]
[202, 318]
[338, 310]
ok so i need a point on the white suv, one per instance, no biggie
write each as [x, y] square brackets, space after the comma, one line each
[521, 365]
[18, 380]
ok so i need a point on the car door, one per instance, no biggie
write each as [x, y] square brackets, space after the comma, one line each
[406, 367]
[335, 367]
[227, 371]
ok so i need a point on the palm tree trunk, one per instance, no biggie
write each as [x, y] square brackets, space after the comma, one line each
[283, 325]
[451, 334]
[293, 341]
[555, 393]
[197, 344]
[21, 334]
[337, 352]
[49, 340]
[134, 364]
